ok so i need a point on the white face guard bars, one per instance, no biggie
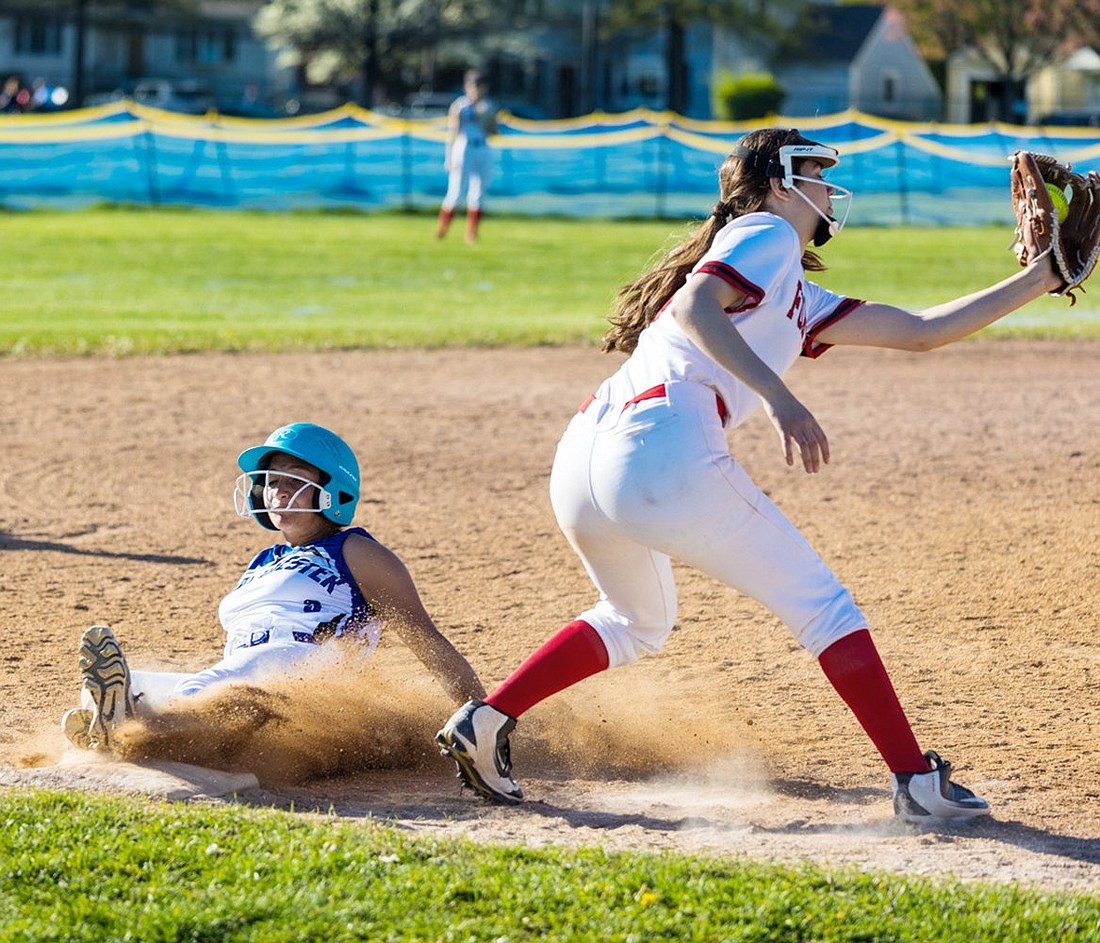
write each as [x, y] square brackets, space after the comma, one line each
[247, 484]
[826, 156]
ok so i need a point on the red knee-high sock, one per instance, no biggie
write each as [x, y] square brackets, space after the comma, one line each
[473, 218]
[445, 217]
[855, 670]
[571, 655]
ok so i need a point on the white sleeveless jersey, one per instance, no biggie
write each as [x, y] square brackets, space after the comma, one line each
[305, 593]
[760, 255]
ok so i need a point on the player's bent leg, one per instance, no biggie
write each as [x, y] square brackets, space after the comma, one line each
[154, 690]
[746, 541]
[572, 654]
[932, 796]
[637, 606]
[476, 738]
[634, 615]
[252, 665]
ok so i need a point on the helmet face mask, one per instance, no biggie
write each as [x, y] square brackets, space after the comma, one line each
[827, 157]
[336, 491]
[249, 494]
[783, 167]
[827, 226]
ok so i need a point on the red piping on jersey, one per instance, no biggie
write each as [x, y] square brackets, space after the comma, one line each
[810, 347]
[655, 392]
[754, 294]
[730, 275]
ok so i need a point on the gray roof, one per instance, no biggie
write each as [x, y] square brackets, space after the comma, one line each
[838, 32]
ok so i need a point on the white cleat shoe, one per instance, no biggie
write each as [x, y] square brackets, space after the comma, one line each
[932, 797]
[107, 681]
[476, 738]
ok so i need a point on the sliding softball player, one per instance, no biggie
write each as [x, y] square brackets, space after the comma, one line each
[325, 583]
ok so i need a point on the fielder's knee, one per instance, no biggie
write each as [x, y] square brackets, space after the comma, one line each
[627, 641]
[838, 618]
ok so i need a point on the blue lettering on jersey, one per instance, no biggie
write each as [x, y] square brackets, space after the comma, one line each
[321, 575]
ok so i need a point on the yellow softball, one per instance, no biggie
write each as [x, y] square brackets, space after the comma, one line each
[1058, 198]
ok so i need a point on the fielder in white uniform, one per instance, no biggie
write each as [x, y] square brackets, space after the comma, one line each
[468, 159]
[643, 473]
[327, 584]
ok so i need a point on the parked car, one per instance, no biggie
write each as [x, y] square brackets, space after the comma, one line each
[102, 98]
[183, 95]
[428, 104]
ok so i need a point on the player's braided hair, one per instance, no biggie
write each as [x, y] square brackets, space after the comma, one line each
[742, 189]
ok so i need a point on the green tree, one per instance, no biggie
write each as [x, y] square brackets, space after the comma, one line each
[1015, 38]
[336, 41]
[769, 23]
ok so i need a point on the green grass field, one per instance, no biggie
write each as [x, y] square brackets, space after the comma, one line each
[76, 868]
[135, 281]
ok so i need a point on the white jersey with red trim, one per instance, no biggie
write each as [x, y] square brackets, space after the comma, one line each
[759, 254]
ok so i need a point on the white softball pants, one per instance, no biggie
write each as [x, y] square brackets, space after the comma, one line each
[471, 168]
[278, 657]
[632, 488]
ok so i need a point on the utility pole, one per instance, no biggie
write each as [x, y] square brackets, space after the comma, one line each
[371, 72]
[80, 30]
[675, 68]
[589, 56]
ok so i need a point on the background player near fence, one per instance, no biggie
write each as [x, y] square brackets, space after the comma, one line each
[469, 157]
[327, 589]
[644, 473]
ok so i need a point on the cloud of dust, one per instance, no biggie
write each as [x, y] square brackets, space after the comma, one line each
[39, 749]
[344, 715]
[631, 727]
[339, 716]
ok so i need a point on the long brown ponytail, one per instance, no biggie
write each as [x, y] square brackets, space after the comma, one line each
[742, 189]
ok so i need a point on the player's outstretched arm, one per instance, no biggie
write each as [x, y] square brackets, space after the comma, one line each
[386, 583]
[881, 325]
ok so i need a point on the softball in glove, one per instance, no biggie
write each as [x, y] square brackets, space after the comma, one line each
[1072, 241]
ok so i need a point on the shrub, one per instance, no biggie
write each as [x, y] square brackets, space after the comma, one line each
[749, 95]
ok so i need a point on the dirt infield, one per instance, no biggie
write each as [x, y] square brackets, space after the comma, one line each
[962, 507]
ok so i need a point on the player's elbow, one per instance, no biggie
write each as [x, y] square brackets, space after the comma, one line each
[922, 343]
[922, 337]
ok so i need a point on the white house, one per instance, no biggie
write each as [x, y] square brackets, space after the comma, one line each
[1068, 91]
[861, 57]
[1064, 92]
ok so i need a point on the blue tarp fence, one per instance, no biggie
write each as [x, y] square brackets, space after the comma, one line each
[634, 164]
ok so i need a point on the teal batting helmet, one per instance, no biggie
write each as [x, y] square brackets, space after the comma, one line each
[338, 491]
